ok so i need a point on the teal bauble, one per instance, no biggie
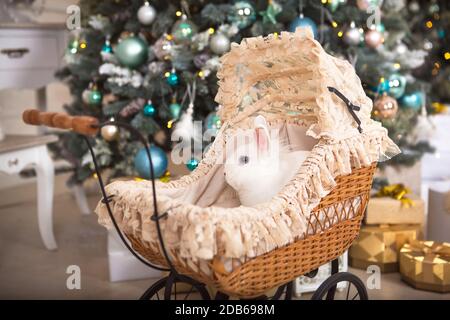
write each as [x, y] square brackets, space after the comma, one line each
[192, 164]
[303, 22]
[213, 122]
[383, 87]
[106, 48]
[92, 97]
[242, 14]
[175, 110]
[149, 110]
[397, 85]
[131, 52]
[183, 30]
[142, 163]
[172, 78]
[412, 100]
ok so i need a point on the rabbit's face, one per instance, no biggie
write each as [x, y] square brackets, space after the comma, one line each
[248, 158]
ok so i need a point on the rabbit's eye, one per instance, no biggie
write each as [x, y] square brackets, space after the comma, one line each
[244, 159]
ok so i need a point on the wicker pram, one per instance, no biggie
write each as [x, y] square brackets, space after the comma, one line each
[244, 251]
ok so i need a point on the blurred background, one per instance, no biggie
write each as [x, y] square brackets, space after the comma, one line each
[137, 61]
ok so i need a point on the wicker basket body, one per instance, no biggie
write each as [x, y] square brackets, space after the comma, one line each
[332, 227]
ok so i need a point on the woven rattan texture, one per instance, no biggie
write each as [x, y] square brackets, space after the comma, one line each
[332, 228]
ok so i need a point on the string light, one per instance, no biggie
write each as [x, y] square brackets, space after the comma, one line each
[167, 74]
[83, 45]
[94, 175]
[211, 30]
[447, 55]
[169, 124]
[169, 37]
[397, 65]
[429, 24]
[201, 74]
[179, 13]
[340, 34]
[275, 35]
[334, 24]
[324, 1]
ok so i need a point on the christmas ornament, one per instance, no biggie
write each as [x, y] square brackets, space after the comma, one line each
[242, 14]
[219, 43]
[146, 14]
[412, 100]
[385, 107]
[110, 132]
[172, 78]
[373, 38]
[213, 122]
[92, 96]
[424, 129]
[271, 12]
[162, 48]
[142, 163]
[149, 109]
[72, 47]
[183, 30]
[184, 128]
[352, 36]
[414, 6]
[106, 48]
[175, 109]
[192, 164]
[366, 4]
[131, 52]
[303, 22]
[397, 85]
[383, 86]
[201, 59]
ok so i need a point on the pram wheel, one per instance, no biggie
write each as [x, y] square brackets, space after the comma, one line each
[354, 288]
[176, 287]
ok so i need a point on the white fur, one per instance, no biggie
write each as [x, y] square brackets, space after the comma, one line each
[266, 172]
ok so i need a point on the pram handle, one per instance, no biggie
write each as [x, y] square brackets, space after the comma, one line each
[81, 124]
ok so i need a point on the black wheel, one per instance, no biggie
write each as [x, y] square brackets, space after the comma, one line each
[283, 292]
[177, 287]
[354, 288]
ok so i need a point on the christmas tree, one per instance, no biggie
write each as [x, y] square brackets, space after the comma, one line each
[153, 64]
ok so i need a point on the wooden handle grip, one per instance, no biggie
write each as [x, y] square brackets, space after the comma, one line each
[81, 124]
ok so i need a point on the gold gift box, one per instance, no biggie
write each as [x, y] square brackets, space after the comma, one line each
[392, 211]
[380, 245]
[426, 265]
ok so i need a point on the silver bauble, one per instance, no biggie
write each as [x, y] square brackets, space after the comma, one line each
[352, 36]
[110, 133]
[162, 48]
[219, 43]
[146, 14]
[373, 38]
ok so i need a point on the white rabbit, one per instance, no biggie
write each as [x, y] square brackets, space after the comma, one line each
[259, 167]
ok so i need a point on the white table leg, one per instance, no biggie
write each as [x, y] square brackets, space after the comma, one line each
[80, 198]
[45, 181]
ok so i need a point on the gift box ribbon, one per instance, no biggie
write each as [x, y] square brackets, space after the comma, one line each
[396, 191]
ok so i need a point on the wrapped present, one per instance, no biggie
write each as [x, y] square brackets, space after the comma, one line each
[386, 210]
[426, 265]
[380, 245]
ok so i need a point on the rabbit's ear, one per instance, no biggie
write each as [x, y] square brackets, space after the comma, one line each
[262, 135]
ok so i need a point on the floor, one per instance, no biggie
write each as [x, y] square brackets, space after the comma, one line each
[28, 271]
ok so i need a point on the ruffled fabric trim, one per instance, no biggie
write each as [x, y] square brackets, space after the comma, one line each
[198, 233]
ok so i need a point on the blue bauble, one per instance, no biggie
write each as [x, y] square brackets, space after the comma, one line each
[413, 100]
[142, 163]
[383, 87]
[149, 110]
[397, 85]
[132, 52]
[302, 21]
[192, 164]
[172, 79]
